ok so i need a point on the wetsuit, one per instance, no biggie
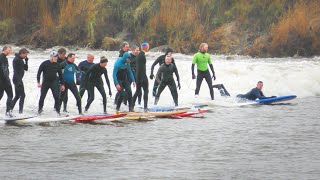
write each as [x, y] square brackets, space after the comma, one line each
[223, 91]
[69, 70]
[141, 79]
[93, 79]
[49, 81]
[160, 60]
[5, 84]
[134, 69]
[19, 66]
[84, 66]
[202, 60]
[121, 72]
[165, 78]
[121, 52]
[254, 94]
[65, 100]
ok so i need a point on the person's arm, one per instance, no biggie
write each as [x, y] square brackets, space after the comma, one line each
[194, 61]
[39, 73]
[257, 94]
[177, 75]
[107, 80]
[114, 75]
[131, 74]
[152, 66]
[60, 76]
[159, 75]
[25, 66]
[213, 73]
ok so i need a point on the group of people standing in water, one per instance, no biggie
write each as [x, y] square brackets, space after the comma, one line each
[60, 74]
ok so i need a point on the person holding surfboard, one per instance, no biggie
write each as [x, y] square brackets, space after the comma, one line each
[69, 70]
[121, 71]
[93, 79]
[202, 59]
[160, 60]
[19, 66]
[5, 83]
[255, 93]
[49, 69]
[165, 78]
[141, 76]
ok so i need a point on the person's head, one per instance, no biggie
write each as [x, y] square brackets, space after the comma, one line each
[125, 46]
[62, 53]
[7, 50]
[260, 85]
[145, 47]
[71, 57]
[103, 61]
[169, 52]
[168, 59]
[23, 53]
[203, 47]
[90, 58]
[135, 50]
[53, 56]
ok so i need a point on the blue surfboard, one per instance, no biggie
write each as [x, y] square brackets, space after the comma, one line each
[276, 99]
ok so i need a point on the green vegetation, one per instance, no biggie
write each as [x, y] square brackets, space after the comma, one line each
[249, 27]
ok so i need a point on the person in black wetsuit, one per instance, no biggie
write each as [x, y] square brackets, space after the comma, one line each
[93, 79]
[62, 52]
[49, 70]
[84, 66]
[69, 70]
[255, 93]
[160, 60]
[5, 84]
[165, 78]
[121, 71]
[124, 48]
[141, 76]
[19, 66]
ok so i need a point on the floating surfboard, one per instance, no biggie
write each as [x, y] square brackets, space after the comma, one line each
[98, 117]
[40, 119]
[16, 118]
[276, 99]
[156, 114]
[188, 114]
[156, 109]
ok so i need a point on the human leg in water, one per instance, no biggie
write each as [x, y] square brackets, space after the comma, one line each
[104, 96]
[73, 88]
[173, 89]
[223, 91]
[209, 82]
[20, 94]
[90, 89]
[162, 86]
[155, 87]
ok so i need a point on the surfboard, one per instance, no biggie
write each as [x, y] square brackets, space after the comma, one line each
[16, 118]
[188, 114]
[156, 109]
[276, 99]
[97, 117]
[40, 119]
[155, 114]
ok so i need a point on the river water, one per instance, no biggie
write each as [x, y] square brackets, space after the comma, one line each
[231, 142]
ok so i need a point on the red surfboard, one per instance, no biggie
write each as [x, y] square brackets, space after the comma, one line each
[93, 118]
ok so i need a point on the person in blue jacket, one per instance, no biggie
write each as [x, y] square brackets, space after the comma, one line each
[69, 70]
[121, 71]
[255, 93]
